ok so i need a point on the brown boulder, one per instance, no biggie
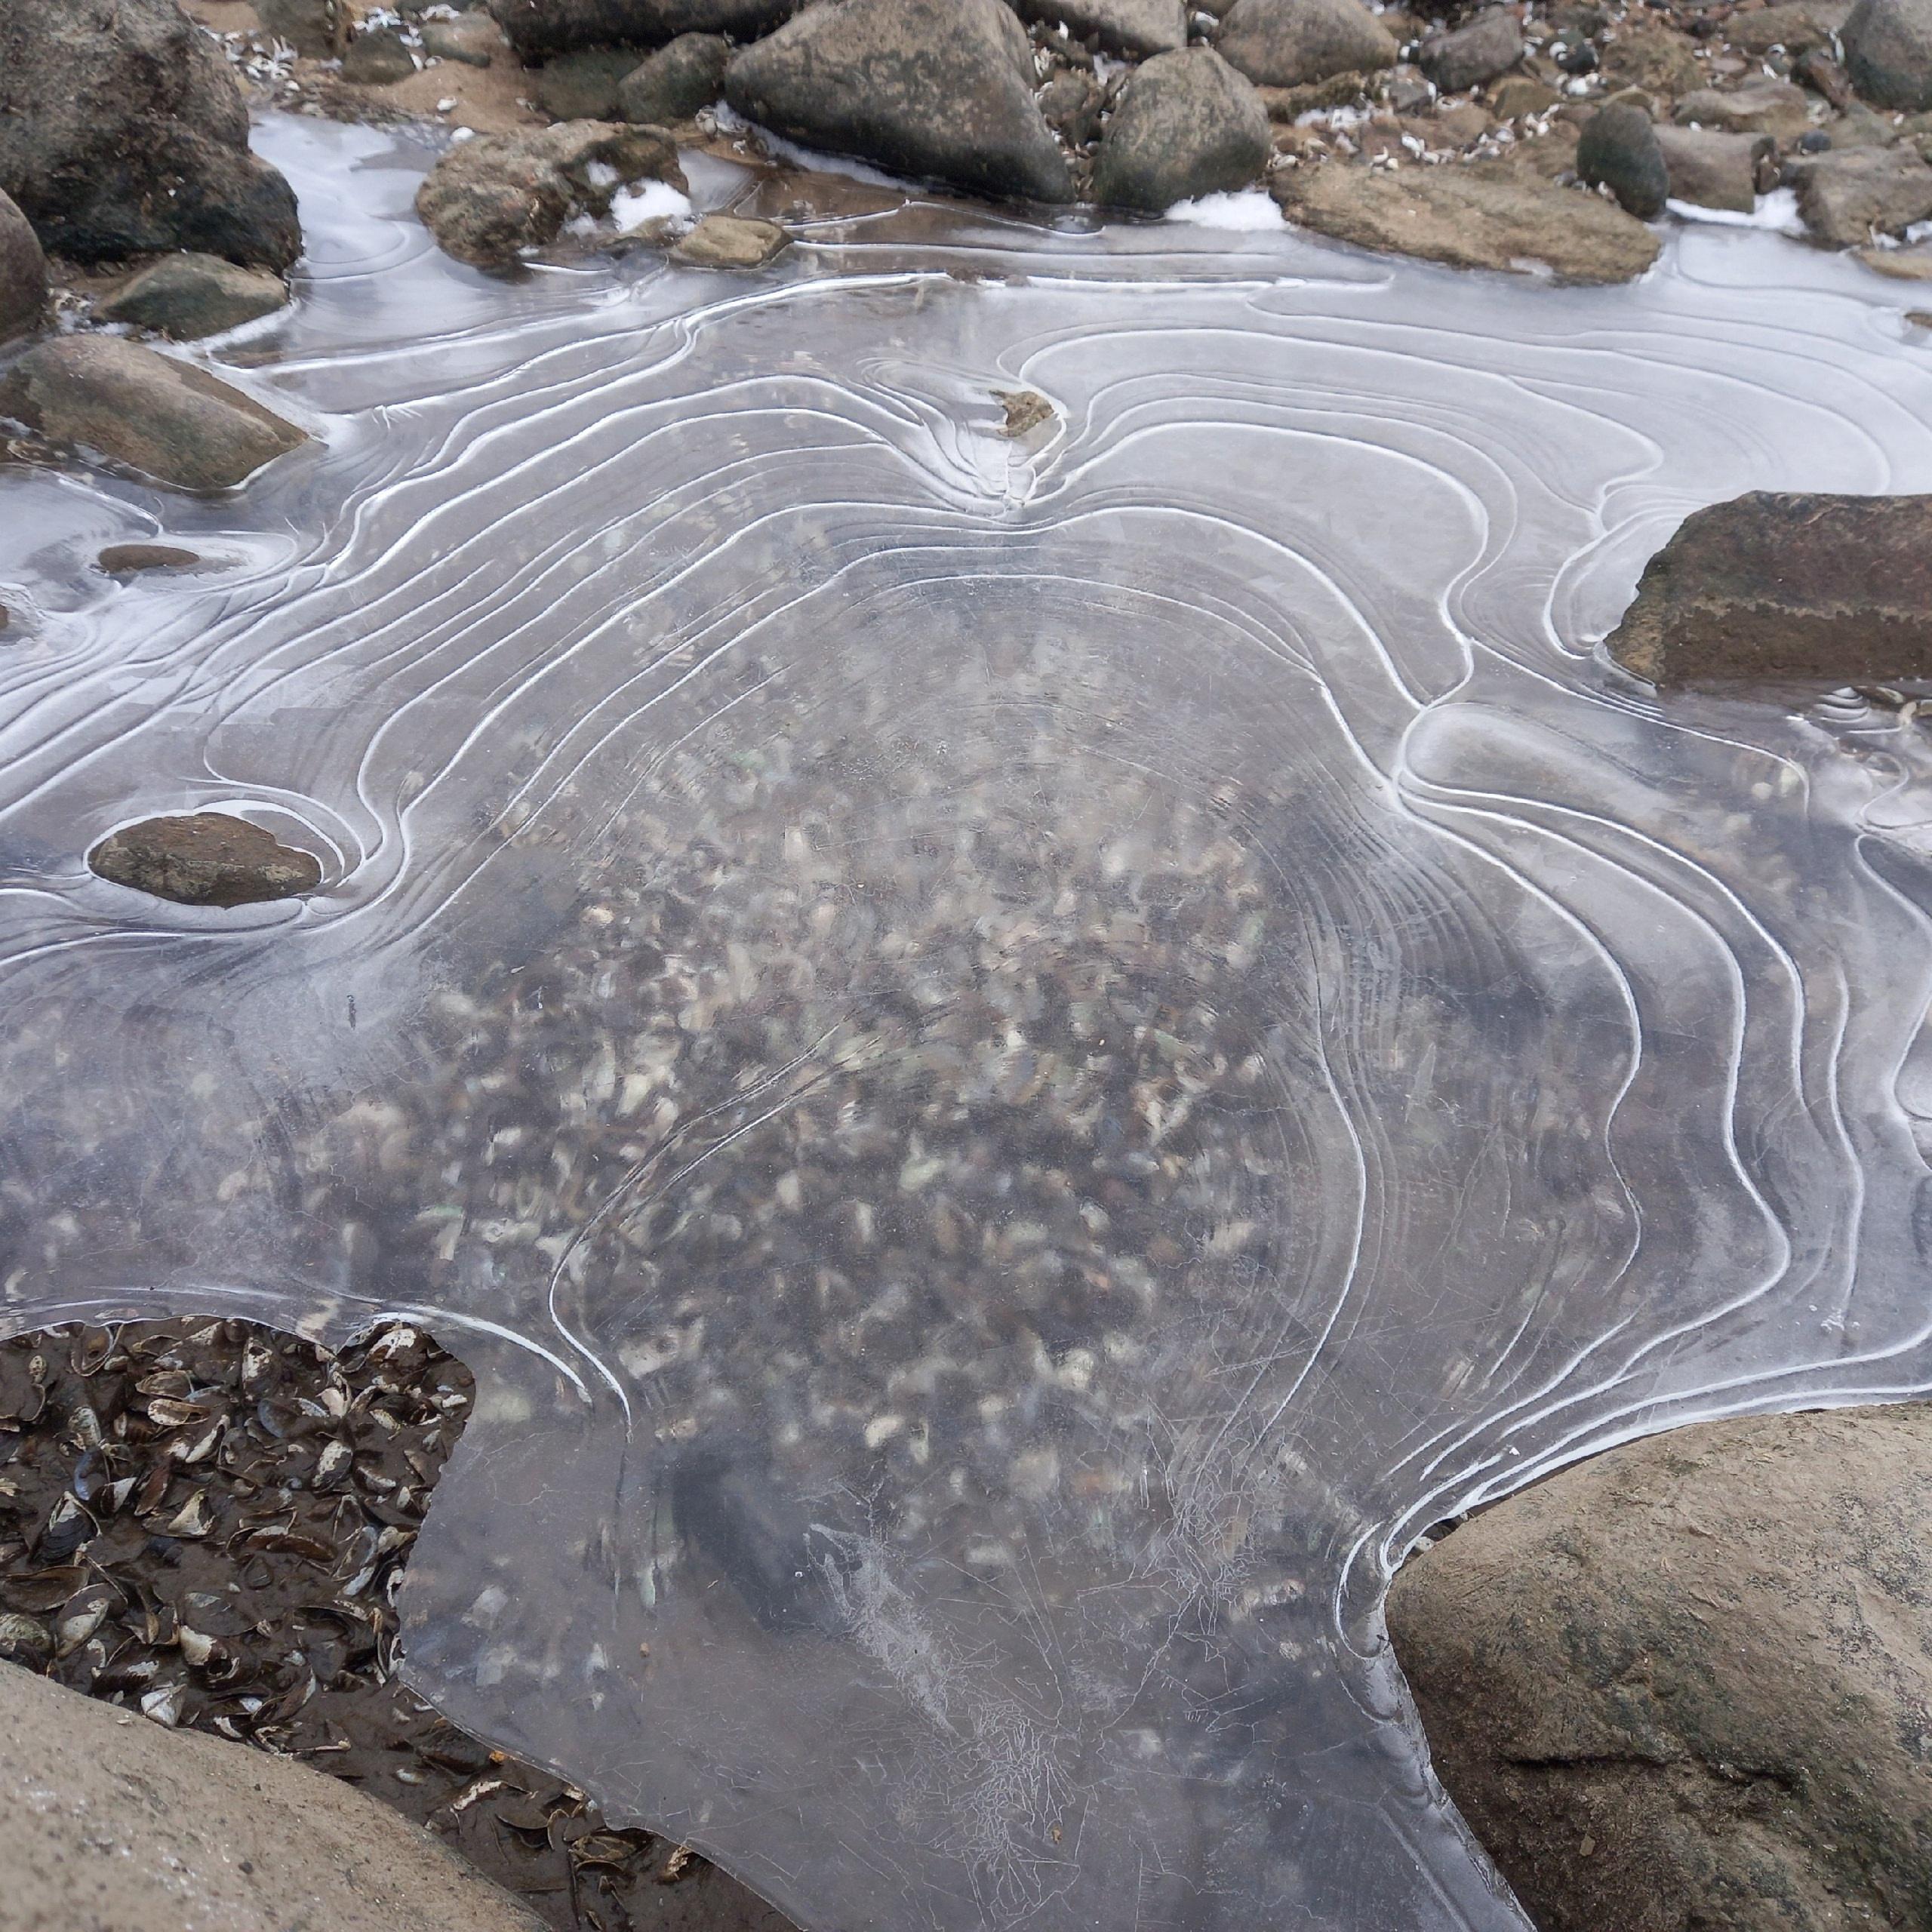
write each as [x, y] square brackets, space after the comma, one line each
[206, 859]
[1683, 1687]
[1771, 587]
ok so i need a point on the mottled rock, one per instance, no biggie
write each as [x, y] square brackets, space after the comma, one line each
[133, 559]
[317, 28]
[169, 420]
[585, 86]
[110, 1821]
[1858, 126]
[1760, 107]
[1823, 75]
[941, 89]
[1487, 215]
[1619, 151]
[1712, 170]
[1473, 55]
[187, 296]
[1795, 28]
[1653, 58]
[22, 272]
[675, 82]
[205, 859]
[1071, 103]
[1185, 125]
[1911, 264]
[1682, 1687]
[1122, 27]
[1520, 94]
[1287, 43]
[122, 133]
[1769, 585]
[377, 57]
[1848, 198]
[1888, 52]
[731, 241]
[536, 28]
[473, 38]
[488, 200]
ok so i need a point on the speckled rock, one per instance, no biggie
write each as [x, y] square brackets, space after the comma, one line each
[941, 89]
[1846, 198]
[205, 859]
[1619, 151]
[672, 84]
[1762, 107]
[1683, 1687]
[584, 86]
[22, 272]
[731, 241]
[1888, 52]
[1771, 586]
[377, 57]
[1473, 55]
[536, 28]
[317, 28]
[186, 296]
[1185, 125]
[1135, 27]
[1287, 43]
[168, 420]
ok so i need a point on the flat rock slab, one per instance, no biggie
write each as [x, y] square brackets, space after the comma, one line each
[1482, 215]
[131, 559]
[205, 859]
[168, 419]
[1683, 1687]
[1846, 199]
[731, 241]
[110, 1822]
[1771, 586]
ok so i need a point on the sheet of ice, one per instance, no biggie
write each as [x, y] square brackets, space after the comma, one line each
[1015, 1061]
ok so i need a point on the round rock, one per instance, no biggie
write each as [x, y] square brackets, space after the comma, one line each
[22, 272]
[205, 859]
[1619, 151]
[1185, 125]
[1888, 52]
[1287, 43]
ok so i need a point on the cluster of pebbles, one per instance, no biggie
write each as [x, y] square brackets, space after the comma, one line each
[206, 1521]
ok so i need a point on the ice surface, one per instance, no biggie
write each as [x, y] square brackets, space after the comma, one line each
[1015, 1061]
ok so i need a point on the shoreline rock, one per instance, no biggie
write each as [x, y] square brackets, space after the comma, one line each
[186, 296]
[1185, 125]
[24, 286]
[1288, 43]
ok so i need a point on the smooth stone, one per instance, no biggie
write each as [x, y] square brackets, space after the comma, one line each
[940, 89]
[1762, 107]
[168, 420]
[186, 296]
[673, 84]
[1474, 55]
[131, 559]
[377, 57]
[1185, 125]
[473, 39]
[1888, 52]
[1287, 43]
[1682, 1684]
[1768, 585]
[731, 241]
[539, 28]
[205, 859]
[1619, 151]
[1712, 170]
[122, 132]
[1482, 215]
[113, 1824]
[584, 87]
[23, 285]
[1846, 199]
[489, 199]
[1130, 27]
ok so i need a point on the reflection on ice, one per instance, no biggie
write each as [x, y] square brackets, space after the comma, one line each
[1014, 1060]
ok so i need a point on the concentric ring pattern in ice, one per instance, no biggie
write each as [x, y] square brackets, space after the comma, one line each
[1015, 1060]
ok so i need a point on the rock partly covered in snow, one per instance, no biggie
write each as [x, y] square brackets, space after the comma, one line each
[488, 200]
[1487, 215]
[536, 28]
[186, 296]
[1770, 585]
[168, 420]
[1683, 1687]
[1287, 43]
[938, 88]
[22, 272]
[122, 133]
[1888, 52]
[1845, 197]
[1619, 151]
[1185, 125]
[1122, 26]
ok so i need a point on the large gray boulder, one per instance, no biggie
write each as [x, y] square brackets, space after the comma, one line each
[1683, 1687]
[1888, 52]
[1185, 125]
[168, 419]
[22, 272]
[1288, 43]
[1769, 586]
[1122, 27]
[111, 1822]
[941, 89]
[1847, 197]
[1474, 54]
[536, 28]
[122, 133]
[489, 200]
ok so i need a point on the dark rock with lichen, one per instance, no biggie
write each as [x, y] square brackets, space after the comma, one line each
[1772, 585]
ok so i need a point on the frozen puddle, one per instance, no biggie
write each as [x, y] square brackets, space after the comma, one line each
[1015, 1061]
